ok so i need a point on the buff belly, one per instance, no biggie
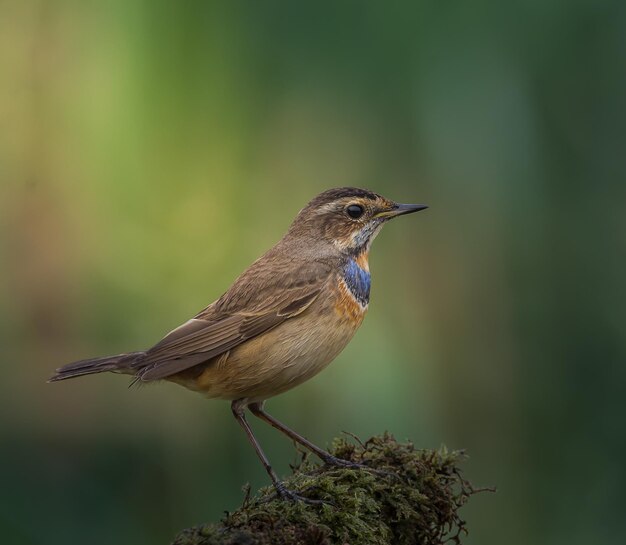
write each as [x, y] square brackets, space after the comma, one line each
[281, 358]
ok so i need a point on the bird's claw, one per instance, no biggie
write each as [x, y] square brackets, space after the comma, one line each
[289, 495]
[348, 464]
[340, 462]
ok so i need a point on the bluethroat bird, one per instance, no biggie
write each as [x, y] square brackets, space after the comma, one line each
[281, 322]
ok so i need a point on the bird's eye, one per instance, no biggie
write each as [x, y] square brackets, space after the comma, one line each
[355, 211]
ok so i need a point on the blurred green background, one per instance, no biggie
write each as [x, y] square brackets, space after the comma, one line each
[149, 151]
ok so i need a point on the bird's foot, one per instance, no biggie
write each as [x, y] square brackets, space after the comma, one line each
[289, 495]
[331, 460]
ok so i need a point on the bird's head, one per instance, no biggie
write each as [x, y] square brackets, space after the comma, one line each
[349, 218]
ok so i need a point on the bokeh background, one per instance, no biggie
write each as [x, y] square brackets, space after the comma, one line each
[149, 151]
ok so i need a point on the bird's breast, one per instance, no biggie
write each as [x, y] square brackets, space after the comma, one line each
[355, 282]
[298, 348]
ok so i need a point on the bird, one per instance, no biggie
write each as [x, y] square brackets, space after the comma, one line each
[281, 322]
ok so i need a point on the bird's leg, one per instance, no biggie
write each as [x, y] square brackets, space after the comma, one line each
[257, 410]
[238, 407]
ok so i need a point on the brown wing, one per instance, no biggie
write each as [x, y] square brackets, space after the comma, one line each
[256, 303]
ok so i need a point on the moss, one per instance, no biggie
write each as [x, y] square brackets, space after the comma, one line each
[413, 498]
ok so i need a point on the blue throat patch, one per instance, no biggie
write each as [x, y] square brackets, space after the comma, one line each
[358, 281]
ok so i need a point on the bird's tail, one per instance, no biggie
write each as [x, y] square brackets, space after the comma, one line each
[120, 363]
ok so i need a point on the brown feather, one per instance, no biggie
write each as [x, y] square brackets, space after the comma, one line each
[250, 342]
[233, 320]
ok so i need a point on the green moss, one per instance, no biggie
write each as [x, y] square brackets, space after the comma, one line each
[413, 498]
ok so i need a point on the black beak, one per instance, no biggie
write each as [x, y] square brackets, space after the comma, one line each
[401, 209]
[409, 208]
